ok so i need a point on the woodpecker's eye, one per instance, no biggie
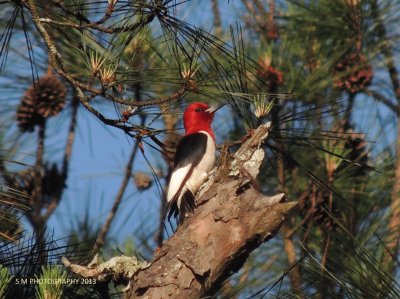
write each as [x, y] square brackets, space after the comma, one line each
[197, 109]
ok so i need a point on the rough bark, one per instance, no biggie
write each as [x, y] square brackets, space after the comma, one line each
[232, 219]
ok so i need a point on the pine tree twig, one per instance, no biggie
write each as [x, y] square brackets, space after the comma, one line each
[288, 244]
[77, 15]
[348, 111]
[111, 215]
[293, 230]
[170, 121]
[272, 26]
[34, 215]
[393, 238]
[257, 15]
[326, 252]
[66, 160]
[107, 14]
[55, 59]
[8, 238]
[250, 7]
[260, 6]
[388, 53]
[294, 274]
[159, 235]
[37, 194]
[97, 26]
[117, 122]
[70, 137]
[381, 98]
[217, 18]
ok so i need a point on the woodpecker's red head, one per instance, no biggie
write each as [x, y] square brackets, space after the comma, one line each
[198, 117]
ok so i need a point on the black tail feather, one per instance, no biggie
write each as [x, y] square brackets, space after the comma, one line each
[188, 204]
[172, 210]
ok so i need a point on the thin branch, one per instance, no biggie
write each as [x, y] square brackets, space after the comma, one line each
[217, 18]
[71, 137]
[381, 98]
[111, 215]
[128, 173]
[256, 15]
[97, 26]
[34, 216]
[37, 194]
[170, 121]
[69, 12]
[66, 160]
[288, 244]
[272, 26]
[326, 252]
[159, 235]
[58, 64]
[349, 110]
[55, 59]
[260, 6]
[392, 240]
[387, 52]
[290, 250]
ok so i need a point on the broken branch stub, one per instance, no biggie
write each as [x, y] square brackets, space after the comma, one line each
[118, 268]
[232, 219]
[250, 155]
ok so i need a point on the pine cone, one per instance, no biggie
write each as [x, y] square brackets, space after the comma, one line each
[49, 95]
[53, 181]
[44, 99]
[353, 73]
[27, 117]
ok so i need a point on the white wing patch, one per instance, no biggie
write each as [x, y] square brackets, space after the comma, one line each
[177, 176]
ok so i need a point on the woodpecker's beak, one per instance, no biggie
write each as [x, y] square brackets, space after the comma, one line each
[215, 107]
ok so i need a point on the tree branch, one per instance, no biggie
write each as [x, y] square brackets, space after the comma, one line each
[111, 215]
[67, 157]
[232, 219]
[56, 61]
[37, 194]
[381, 98]
[97, 26]
[217, 19]
[393, 237]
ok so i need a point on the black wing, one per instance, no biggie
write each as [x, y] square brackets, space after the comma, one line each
[190, 149]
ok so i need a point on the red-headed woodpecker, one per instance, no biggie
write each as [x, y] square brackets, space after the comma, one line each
[194, 158]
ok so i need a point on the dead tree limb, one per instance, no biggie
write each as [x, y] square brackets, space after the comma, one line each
[232, 219]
